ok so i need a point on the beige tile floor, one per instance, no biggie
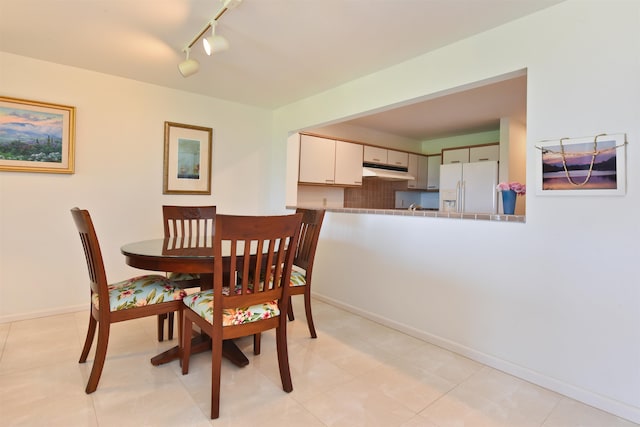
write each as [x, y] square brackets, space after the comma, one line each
[357, 373]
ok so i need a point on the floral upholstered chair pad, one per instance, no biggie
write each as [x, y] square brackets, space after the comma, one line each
[140, 291]
[298, 278]
[202, 304]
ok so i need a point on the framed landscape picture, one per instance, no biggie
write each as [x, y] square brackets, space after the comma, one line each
[590, 166]
[36, 136]
[187, 159]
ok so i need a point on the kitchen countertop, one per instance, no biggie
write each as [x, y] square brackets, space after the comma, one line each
[424, 213]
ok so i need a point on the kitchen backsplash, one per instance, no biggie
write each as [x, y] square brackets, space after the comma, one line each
[374, 194]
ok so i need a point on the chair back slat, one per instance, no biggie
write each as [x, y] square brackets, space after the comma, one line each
[189, 222]
[308, 238]
[93, 255]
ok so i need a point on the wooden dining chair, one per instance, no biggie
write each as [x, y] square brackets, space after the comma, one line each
[304, 259]
[133, 298]
[242, 302]
[192, 225]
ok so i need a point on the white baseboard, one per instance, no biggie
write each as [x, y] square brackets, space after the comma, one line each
[587, 397]
[43, 313]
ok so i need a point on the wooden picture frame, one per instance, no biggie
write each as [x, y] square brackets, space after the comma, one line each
[187, 159]
[36, 136]
[589, 166]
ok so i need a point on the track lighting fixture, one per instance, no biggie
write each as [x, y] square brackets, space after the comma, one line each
[212, 44]
[188, 66]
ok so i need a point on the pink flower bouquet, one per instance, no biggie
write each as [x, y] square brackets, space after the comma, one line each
[515, 186]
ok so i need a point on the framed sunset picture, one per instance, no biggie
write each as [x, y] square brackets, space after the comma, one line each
[36, 136]
[582, 166]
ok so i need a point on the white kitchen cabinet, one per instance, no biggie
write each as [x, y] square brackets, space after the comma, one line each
[330, 162]
[456, 155]
[317, 160]
[385, 157]
[418, 167]
[375, 155]
[484, 153]
[433, 172]
[348, 167]
[397, 158]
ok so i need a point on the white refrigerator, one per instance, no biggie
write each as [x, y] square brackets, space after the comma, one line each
[469, 187]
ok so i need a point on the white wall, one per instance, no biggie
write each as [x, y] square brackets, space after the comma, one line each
[554, 300]
[118, 177]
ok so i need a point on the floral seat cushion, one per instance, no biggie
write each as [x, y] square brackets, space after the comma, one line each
[140, 291]
[202, 304]
[298, 278]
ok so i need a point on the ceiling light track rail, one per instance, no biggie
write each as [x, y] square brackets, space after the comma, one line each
[207, 27]
[212, 44]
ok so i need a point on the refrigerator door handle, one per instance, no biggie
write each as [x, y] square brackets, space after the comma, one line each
[458, 196]
[462, 194]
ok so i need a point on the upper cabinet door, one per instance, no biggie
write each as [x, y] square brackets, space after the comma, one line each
[317, 160]
[397, 158]
[484, 153]
[457, 155]
[348, 169]
[375, 155]
[423, 172]
[413, 171]
[418, 168]
[433, 172]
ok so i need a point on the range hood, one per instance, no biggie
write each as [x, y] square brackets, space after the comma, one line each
[387, 172]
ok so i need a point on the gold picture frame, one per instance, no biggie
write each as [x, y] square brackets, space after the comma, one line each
[36, 136]
[187, 159]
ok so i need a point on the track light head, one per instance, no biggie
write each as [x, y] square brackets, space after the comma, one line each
[214, 43]
[188, 67]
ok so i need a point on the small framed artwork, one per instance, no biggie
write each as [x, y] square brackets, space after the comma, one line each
[590, 166]
[36, 136]
[187, 159]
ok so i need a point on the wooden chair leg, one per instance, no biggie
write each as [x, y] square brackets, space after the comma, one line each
[290, 311]
[186, 343]
[257, 338]
[91, 332]
[307, 310]
[180, 332]
[161, 318]
[283, 359]
[101, 354]
[216, 368]
[170, 324]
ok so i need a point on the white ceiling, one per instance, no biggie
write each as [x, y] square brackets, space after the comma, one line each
[281, 50]
[459, 112]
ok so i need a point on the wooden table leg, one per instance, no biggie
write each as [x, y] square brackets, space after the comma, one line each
[201, 341]
[231, 351]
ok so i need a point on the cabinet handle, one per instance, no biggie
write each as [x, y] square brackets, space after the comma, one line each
[455, 161]
[376, 160]
[357, 182]
[330, 181]
[486, 158]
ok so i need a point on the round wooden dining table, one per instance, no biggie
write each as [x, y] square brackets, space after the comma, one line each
[181, 255]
